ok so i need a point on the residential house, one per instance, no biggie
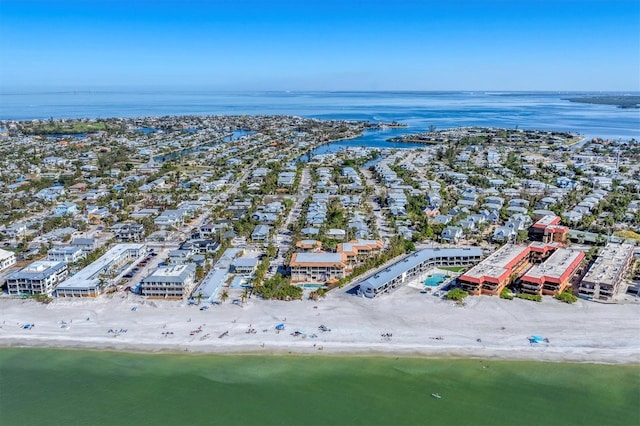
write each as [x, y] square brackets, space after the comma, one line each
[65, 209]
[452, 234]
[336, 234]
[86, 244]
[260, 233]
[245, 265]
[170, 218]
[7, 259]
[68, 254]
[128, 231]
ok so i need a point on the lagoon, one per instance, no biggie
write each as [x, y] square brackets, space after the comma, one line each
[69, 387]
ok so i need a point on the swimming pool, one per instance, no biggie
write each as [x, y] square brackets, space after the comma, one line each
[310, 285]
[239, 282]
[435, 280]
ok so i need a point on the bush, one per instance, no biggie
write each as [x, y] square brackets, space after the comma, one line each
[317, 294]
[533, 297]
[456, 294]
[566, 297]
[279, 288]
[506, 294]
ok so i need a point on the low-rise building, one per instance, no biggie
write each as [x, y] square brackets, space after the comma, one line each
[318, 267]
[174, 282]
[40, 277]
[506, 264]
[553, 275]
[548, 229]
[69, 254]
[414, 265]
[86, 244]
[603, 277]
[7, 258]
[89, 281]
[245, 265]
[128, 231]
[260, 233]
[309, 245]
[356, 251]
[65, 209]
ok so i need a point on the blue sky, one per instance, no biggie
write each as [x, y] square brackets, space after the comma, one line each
[321, 45]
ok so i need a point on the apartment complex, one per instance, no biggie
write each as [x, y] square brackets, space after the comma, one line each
[603, 277]
[506, 264]
[548, 230]
[416, 264]
[318, 267]
[88, 281]
[40, 277]
[174, 282]
[552, 276]
[358, 250]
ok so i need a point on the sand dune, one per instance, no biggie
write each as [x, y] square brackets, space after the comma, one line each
[418, 324]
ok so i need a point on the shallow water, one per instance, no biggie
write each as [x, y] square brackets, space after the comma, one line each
[56, 387]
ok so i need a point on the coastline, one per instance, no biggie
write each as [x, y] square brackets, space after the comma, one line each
[611, 357]
[426, 328]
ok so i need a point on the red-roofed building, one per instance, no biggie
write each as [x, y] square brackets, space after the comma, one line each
[548, 230]
[553, 275]
[505, 265]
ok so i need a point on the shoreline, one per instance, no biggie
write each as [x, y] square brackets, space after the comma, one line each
[422, 327]
[445, 353]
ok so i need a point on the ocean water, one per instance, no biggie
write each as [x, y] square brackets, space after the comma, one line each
[54, 387]
[419, 110]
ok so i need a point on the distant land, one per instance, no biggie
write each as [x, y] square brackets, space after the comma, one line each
[619, 101]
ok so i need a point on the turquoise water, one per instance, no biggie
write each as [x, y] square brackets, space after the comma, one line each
[435, 280]
[310, 285]
[239, 282]
[54, 387]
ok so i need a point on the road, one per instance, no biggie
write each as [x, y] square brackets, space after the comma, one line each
[282, 238]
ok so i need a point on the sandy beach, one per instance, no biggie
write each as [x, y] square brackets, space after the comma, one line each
[404, 323]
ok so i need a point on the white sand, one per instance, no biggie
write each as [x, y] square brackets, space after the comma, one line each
[582, 332]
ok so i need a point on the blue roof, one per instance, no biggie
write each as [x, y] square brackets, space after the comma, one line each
[415, 259]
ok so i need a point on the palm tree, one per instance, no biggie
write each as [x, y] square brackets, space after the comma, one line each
[244, 295]
[224, 296]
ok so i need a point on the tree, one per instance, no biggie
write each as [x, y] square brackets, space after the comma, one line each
[199, 273]
[457, 294]
[224, 296]
[566, 297]
[522, 236]
[271, 251]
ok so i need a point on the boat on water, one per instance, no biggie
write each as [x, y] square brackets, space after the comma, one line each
[436, 395]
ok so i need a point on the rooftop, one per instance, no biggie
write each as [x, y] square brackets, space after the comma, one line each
[417, 258]
[556, 268]
[499, 263]
[317, 259]
[39, 269]
[547, 221]
[611, 261]
[176, 273]
[88, 276]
